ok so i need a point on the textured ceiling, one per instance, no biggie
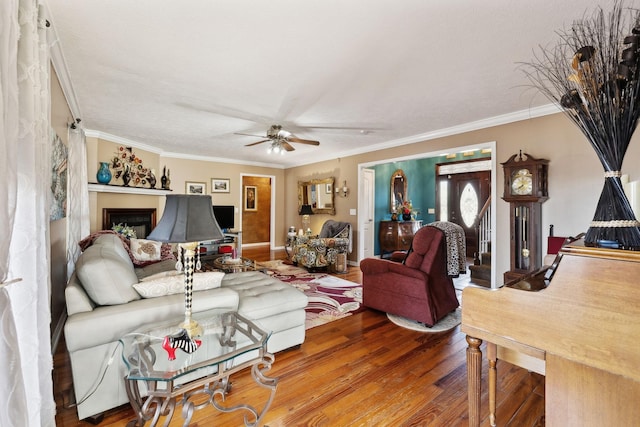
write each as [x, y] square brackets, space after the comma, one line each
[184, 77]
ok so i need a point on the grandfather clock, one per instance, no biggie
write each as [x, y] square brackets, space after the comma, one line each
[525, 188]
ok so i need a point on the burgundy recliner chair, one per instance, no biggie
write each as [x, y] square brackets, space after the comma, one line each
[418, 288]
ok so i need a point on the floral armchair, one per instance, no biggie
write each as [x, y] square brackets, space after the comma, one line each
[323, 250]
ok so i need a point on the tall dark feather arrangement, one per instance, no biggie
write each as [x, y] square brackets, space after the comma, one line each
[594, 75]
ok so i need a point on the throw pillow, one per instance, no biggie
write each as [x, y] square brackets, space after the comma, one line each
[170, 285]
[161, 275]
[155, 268]
[146, 250]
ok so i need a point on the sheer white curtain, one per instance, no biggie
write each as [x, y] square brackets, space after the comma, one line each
[77, 196]
[24, 63]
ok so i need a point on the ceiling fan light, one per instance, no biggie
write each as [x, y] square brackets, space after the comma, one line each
[276, 149]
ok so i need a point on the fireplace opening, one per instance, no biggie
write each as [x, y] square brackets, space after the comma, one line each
[141, 220]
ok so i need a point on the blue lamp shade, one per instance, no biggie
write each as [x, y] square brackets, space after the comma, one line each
[187, 218]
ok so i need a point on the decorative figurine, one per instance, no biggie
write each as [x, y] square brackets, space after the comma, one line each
[163, 179]
[152, 178]
[126, 176]
[182, 341]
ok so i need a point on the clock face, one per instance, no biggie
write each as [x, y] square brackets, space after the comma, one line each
[522, 183]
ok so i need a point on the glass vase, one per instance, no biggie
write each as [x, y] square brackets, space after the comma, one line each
[104, 173]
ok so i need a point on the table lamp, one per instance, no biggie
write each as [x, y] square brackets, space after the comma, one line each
[187, 220]
[305, 211]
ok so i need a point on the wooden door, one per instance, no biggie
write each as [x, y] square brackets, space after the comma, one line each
[366, 212]
[466, 193]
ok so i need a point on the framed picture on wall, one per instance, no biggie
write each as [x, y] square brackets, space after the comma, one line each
[219, 185]
[250, 198]
[195, 187]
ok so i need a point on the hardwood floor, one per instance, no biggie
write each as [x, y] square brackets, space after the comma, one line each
[358, 371]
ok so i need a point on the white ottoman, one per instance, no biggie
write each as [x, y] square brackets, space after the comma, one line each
[272, 305]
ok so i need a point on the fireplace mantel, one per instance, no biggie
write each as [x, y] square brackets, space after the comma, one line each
[102, 188]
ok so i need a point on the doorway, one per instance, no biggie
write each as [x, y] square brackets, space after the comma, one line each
[461, 195]
[256, 209]
[363, 201]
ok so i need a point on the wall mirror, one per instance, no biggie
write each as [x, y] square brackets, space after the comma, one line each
[319, 194]
[398, 191]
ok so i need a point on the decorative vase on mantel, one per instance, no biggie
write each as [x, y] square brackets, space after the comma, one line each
[406, 217]
[394, 216]
[104, 173]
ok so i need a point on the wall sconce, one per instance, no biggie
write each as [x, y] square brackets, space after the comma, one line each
[344, 190]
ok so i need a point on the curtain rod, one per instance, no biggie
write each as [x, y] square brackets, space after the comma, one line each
[10, 282]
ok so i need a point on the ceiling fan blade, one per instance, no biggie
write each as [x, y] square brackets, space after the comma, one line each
[302, 141]
[345, 126]
[249, 134]
[287, 146]
[256, 143]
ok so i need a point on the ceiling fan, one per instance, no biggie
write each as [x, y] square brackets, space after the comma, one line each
[280, 139]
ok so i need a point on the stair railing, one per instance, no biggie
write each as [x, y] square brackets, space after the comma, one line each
[483, 231]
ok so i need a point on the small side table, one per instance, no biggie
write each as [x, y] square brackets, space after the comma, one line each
[230, 343]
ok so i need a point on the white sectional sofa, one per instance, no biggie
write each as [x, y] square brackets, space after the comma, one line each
[103, 305]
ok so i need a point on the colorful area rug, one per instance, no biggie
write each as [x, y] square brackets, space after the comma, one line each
[447, 323]
[330, 297]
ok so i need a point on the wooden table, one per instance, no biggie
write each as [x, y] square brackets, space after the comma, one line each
[584, 329]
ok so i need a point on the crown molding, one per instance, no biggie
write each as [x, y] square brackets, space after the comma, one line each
[122, 141]
[503, 119]
[167, 154]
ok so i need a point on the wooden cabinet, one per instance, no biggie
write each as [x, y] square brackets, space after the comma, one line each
[397, 235]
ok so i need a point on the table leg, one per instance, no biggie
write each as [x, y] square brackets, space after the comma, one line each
[492, 355]
[474, 379]
[149, 408]
[258, 369]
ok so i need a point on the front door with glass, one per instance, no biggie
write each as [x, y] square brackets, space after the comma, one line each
[462, 196]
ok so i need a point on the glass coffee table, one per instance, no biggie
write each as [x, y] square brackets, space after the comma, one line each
[236, 265]
[229, 343]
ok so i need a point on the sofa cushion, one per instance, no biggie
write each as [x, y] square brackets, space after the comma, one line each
[76, 297]
[263, 296]
[114, 243]
[169, 285]
[106, 276]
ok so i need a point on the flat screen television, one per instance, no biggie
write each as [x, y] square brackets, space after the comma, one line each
[225, 216]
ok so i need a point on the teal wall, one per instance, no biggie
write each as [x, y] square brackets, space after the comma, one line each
[421, 187]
